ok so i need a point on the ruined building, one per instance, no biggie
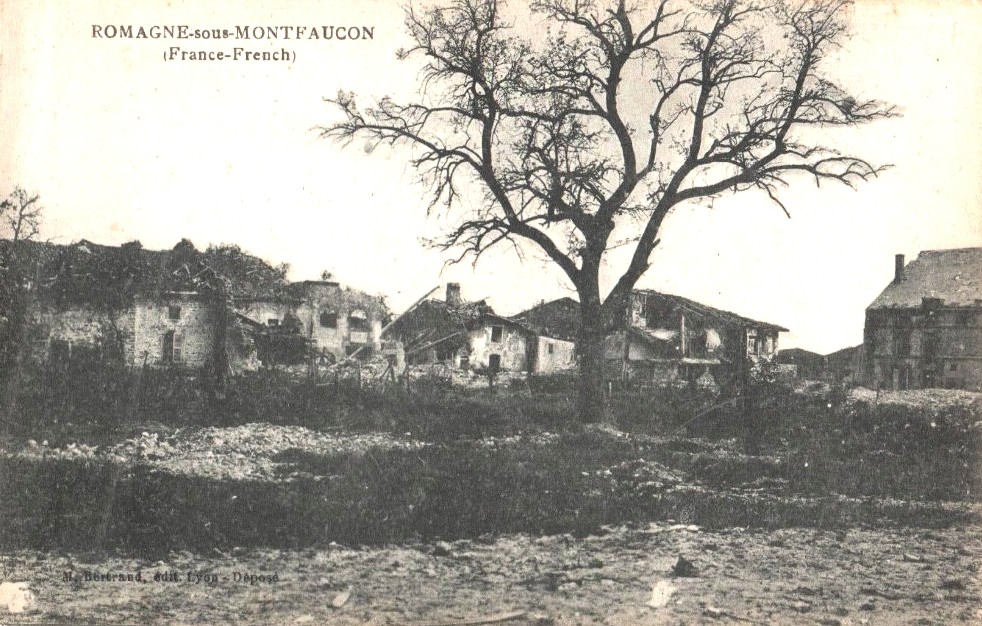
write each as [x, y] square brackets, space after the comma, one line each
[461, 335]
[189, 308]
[665, 338]
[925, 328]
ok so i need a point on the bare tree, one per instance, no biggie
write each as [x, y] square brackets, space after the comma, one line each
[20, 223]
[20, 216]
[610, 120]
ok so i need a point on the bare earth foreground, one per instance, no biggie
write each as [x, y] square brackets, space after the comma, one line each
[799, 576]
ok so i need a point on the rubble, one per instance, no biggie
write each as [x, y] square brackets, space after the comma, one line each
[237, 453]
[932, 402]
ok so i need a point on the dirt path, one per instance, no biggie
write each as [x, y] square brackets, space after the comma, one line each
[794, 576]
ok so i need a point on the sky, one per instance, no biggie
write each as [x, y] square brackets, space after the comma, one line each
[122, 144]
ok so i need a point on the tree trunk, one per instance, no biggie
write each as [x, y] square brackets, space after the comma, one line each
[593, 406]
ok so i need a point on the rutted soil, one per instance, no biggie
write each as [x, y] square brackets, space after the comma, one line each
[670, 572]
[790, 576]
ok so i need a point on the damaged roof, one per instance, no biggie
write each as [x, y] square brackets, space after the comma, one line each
[953, 276]
[558, 318]
[707, 311]
[435, 322]
[561, 318]
[88, 273]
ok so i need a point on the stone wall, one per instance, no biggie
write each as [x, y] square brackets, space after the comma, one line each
[924, 347]
[191, 320]
[76, 326]
[554, 355]
[329, 316]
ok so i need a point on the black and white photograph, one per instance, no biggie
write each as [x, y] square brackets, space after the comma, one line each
[506, 312]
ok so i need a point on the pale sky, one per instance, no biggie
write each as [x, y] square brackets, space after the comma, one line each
[123, 145]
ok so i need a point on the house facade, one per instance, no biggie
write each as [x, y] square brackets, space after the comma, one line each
[461, 335]
[663, 339]
[925, 329]
[335, 321]
[668, 339]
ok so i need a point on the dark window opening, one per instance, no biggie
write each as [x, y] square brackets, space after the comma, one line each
[494, 362]
[272, 322]
[329, 319]
[953, 367]
[752, 345]
[444, 353]
[496, 334]
[173, 312]
[550, 348]
[173, 347]
[358, 321]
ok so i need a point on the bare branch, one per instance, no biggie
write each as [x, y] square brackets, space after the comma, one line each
[617, 113]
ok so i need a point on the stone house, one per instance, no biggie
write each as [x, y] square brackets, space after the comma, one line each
[336, 321]
[667, 339]
[925, 328]
[188, 308]
[462, 335]
[553, 326]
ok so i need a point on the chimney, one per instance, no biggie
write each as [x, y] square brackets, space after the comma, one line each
[898, 269]
[453, 295]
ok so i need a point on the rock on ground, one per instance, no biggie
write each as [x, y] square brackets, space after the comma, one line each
[791, 576]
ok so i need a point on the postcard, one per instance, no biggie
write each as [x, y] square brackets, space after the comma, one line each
[483, 312]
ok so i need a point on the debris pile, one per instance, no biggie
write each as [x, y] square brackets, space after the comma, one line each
[238, 453]
[932, 401]
[954, 409]
[644, 478]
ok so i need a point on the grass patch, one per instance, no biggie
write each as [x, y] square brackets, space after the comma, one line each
[450, 490]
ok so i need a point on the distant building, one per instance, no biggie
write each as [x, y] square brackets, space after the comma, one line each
[846, 365]
[925, 328]
[807, 364]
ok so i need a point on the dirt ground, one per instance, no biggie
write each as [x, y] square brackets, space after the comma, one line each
[791, 576]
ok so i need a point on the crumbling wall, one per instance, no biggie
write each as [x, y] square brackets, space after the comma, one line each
[324, 311]
[80, 325]
[264, 311]
[321, 298]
